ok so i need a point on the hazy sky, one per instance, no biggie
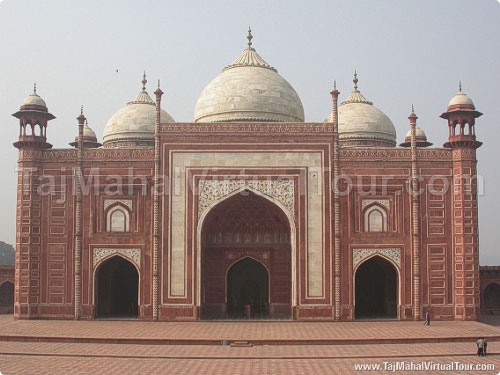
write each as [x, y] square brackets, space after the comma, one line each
[404, 51]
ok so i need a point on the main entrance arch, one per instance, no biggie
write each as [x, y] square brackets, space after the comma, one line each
[246, 259]
[376, 289]
[116, 289]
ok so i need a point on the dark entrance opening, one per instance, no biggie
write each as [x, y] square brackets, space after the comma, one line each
[376, 290]
[7, 298]
[247, 284]
[491, 297]
[117, 284]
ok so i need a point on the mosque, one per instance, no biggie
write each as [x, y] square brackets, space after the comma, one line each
[248, 211]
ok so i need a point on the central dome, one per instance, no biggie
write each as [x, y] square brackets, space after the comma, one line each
[249, 90]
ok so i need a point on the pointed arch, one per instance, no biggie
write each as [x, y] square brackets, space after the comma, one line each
[243, 287]
[367, 286]
[116, 289]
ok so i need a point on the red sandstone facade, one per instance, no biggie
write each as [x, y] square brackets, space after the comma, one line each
[424, 232]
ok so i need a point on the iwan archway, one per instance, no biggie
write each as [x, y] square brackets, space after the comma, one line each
[246, 259]
[376, 289]
[116, 289]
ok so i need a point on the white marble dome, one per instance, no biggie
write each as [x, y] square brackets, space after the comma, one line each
[362, 124]
[134, 124]
[249, 90]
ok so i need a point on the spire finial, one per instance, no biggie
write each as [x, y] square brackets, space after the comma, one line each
[144, 81]
[81, 110]
[158, 83]
[34, 88]
[355, 80]
[412, 109]
[460, 86]
[335, 84]
[249, 37]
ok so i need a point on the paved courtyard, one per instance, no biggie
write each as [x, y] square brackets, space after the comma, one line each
[54, 354]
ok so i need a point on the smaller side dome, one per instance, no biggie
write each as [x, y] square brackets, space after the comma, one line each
[361, 124]
[420, 137]
[134, 124]
[89, 138]
[34, 100]
[461, 100]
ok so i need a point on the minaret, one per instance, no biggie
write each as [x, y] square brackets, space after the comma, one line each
[78, 216]
[461, 116]
[415, 215]
[336, 200]
[33, 118]
[156, 204]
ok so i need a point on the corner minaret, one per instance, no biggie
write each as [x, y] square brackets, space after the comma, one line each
[461, 116]
[33, 118]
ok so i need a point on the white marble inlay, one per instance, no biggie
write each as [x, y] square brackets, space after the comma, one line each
[359, 255]
[134, 255]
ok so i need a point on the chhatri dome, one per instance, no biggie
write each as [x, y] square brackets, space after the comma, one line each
[34, 100]
[461, 100]
[249, 90]
[134, 124]
[362, 124]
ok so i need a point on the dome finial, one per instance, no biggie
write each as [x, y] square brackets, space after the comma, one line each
[34, 88]
[459, 86]
[355, 80]
[335, 84]
[249, 37]
[81, 110]
[412, 109]
[144, 81]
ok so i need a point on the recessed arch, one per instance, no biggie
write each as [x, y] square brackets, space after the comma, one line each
[116, 288]
[375, 218]
[7, 297]
[252, 241]
[117, 218]
[491, 296]
[376, 288]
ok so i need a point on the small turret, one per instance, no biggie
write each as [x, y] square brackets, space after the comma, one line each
[33, 118]
[461, 116]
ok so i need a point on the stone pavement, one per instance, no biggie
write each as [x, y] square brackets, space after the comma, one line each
[101, 354]
[269, 332]
[46, 365]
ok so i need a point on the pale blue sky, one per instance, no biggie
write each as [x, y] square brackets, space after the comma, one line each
[405, 52]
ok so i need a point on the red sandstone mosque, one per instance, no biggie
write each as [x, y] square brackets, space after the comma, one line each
[248, 210]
